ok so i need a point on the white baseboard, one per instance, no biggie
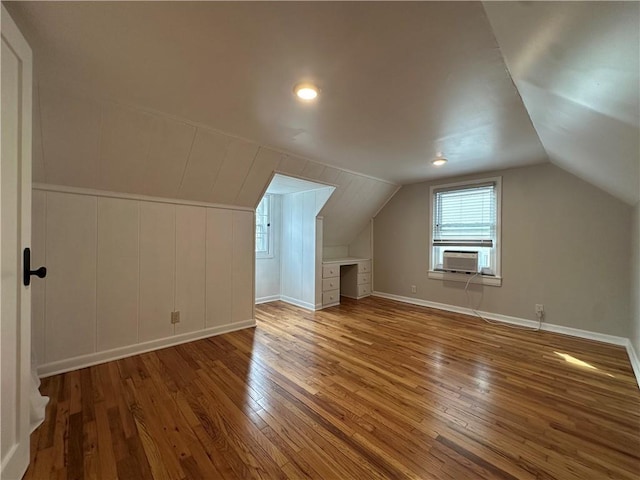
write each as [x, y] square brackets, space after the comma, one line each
[574, 332]
[292, 301]
[75, 363]
[328, 305]
[270, 298]
[454, 308]
[635, 362]
[356, 297]
[299, 303]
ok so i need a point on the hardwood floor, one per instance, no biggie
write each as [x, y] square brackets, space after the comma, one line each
[366, 390]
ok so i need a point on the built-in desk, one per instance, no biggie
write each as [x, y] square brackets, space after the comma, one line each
[349, 276]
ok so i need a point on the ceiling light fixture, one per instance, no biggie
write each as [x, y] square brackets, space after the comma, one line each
[439, 161]
[306, 91]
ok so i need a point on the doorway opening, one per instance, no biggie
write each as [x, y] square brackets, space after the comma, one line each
[289, 241]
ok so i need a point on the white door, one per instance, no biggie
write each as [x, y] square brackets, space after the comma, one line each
[15, 235]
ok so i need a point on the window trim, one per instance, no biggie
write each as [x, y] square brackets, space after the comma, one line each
[270, 239]
[491, 280]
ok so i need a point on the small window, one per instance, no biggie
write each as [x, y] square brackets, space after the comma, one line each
[466, 217]
[264, 240]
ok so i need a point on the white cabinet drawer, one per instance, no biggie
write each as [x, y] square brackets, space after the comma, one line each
[330, 271]
[331, 297]
[364, 267]
[364, 278]
[331, 284]
[364, 290]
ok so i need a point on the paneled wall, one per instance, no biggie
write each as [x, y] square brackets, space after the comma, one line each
[336, 251]
[354, 203]
[362, 245]
[96, 144]
[118, 267]
[301, 247]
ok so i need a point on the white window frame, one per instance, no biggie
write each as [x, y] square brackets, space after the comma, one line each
[269, 253]
[492, 280]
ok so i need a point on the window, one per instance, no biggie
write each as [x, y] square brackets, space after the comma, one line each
[466, 217]
[264, 242]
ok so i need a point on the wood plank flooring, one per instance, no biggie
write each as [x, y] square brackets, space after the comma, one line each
[372, 389]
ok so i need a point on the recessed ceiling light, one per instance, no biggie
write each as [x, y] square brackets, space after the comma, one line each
[439, 161]
[305, 91]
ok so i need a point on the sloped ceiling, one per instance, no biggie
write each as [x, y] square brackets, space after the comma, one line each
[194, 99]
[82, 142]
[283, 185]
[576, 66]
[400, 81]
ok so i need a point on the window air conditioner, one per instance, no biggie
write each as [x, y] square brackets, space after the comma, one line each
[460, 262]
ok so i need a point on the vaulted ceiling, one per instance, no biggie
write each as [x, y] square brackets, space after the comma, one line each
[82, 142]
[577, 68]
[194, 99]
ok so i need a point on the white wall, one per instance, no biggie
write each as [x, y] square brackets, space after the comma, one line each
[335, 251]
[118, 267]
[268, 269]
[565, 244]
[301, 248]
[362, 245]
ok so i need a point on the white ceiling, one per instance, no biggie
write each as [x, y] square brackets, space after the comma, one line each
[400, 80]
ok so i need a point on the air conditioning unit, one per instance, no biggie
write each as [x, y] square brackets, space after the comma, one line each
[460, 262]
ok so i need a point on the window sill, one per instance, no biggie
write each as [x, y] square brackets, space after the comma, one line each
[489, 280]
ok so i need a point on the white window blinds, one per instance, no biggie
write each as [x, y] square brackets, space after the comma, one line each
[465, 216]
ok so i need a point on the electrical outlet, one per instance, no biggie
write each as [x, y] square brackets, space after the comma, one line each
[175, 317]
[539, 309]
[413, 289]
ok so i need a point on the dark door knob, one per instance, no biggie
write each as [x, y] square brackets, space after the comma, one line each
[40, 272]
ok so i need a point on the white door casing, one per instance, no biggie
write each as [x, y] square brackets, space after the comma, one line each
[15, 235]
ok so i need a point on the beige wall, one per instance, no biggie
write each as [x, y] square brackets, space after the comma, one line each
[635, 280]
[565, 244]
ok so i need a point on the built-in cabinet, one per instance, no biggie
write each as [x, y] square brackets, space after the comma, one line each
[118, 267]
[305, 279]
[349, 277]
[330, 285]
